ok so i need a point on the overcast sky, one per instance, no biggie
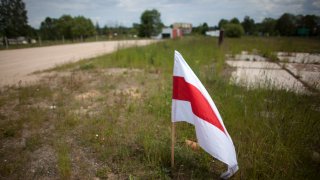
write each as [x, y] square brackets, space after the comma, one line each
[126, 12]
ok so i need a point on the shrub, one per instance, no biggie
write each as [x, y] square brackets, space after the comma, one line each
[233, 30]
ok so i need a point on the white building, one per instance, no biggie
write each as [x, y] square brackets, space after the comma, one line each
[213, 33]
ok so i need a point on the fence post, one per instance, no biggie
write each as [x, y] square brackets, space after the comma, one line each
[221, 34]
[39, 39]
[6, 42]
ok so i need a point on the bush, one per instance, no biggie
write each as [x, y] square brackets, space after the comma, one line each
[233, 30]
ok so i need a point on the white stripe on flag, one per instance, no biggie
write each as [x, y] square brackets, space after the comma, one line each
[191, 103]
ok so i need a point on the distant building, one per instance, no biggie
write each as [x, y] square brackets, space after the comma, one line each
[166, 33]
[18, 40]
[15, 41]
[171, 33]
[213, 33]
[185, 27]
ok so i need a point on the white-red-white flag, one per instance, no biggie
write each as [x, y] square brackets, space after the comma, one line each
[192, 103]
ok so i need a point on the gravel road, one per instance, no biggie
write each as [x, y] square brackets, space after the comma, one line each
[18, 64]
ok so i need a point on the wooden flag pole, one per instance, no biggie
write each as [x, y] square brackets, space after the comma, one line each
[172, 144]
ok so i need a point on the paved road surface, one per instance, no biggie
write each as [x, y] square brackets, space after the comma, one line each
[16, 65]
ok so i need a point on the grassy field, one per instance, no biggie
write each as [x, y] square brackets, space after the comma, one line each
[109, 117]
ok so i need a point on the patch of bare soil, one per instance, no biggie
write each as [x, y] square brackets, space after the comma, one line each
[43, 164]
[131, 91]
[88, 95]
[120, 71]
[58, 106]
[83, 165]
[129, 87]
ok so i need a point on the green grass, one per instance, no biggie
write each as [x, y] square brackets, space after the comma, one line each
[275, 132]
[64, 162]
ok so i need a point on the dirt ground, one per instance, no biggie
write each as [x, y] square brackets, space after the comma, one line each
[16, 65]
[45, 145]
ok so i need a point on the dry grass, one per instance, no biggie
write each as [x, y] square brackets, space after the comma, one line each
[109, 117]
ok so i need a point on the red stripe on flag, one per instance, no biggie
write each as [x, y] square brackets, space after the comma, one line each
[185, 91]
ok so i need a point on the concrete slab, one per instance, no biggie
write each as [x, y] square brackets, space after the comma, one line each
[246, 56]
[308, 73]
[252, 64]
[299, 57]
[299, 72]
[250, 57]
[264, 74]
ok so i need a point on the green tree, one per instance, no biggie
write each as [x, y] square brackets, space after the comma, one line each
[204, 28]
[286, 25]
[311, 22]
[82, 27]
[67, 27]
[222, 23]
[31, 32]
[268, 26]
[248, 25]
[151, 24]
[64, 25]
[235, 21]
[49, 29]
[233, 30]
[13, 18]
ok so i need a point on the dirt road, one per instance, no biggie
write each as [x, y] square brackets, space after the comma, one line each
[16, 65]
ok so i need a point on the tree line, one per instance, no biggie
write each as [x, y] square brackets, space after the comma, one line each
[14, 23]
[67, 27]
[286, 25]
[74, 27]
